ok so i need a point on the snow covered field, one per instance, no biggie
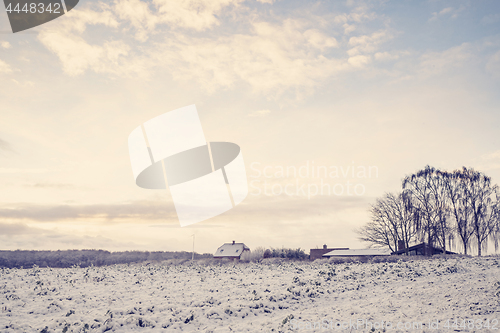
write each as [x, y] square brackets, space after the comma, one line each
[256, 297]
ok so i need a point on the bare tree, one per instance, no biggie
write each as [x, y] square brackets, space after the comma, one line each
[455, 183]
[392, 219]
[440, 197]
[483, 199]
[426, 187]
[436, 207]
[406, 214]
[380, 231]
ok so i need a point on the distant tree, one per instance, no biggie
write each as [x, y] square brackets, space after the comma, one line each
[85, 258]
[392, 220]
[288, 253]
[455, 186]
[436, 207]
[430, 200]
[382, 229]
[483, 199]
[256, 255]
[406, 215]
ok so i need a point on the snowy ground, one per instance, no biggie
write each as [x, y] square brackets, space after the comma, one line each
[255, 297]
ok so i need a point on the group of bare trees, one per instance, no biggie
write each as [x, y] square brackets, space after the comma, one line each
[444, 209]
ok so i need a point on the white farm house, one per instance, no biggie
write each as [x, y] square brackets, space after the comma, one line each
[231, 251]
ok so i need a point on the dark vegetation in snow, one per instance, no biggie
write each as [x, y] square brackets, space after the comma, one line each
[86, 258]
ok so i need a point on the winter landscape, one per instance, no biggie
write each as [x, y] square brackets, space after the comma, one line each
[249, 166]
[445, 293]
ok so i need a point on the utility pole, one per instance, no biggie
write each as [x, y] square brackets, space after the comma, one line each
[192, 257]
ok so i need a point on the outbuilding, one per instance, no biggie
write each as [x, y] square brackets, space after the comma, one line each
[358, 253]
[318, 253]
[421, 249]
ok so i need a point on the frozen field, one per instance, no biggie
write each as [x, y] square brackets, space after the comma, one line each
[263, 297]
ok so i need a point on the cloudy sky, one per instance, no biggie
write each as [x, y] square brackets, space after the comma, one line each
[381, 88]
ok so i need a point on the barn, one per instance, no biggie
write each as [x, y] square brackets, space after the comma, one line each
[421, 249]
[318, 253]
[231, 251]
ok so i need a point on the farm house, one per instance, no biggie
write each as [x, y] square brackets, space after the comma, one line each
[231, 251]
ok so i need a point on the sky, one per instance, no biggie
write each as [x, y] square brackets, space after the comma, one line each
[336, 100]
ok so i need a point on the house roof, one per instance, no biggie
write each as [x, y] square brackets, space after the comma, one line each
[358, 252]
[421, 246]
[231, 250]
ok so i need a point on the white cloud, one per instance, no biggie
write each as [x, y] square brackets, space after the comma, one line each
[493, 64]
[260, 113]
[489, 161]
[79, 19]
[269, 57]
[359, 61]
[4, 145]
[490, 19]
[433, 63]
[16, 170]
[388, 56]
[273, 58]
[5, 67]
[319, 40]
[492, 156]
[348, 28]
[77, 55]
[358, 15]
[448, 11]
[138, 14]
[385, 56]
[445, 10]
[25, 84]
[5, 45]
[195, 14]
[349, 21]
[368, 43]
[198, 15]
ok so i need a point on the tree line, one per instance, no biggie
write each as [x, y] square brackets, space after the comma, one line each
[86, 258]
[443, 209]
[260, 253]
[298, 254]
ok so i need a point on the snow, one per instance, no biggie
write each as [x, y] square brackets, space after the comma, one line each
[358, 252]
[271, 296]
